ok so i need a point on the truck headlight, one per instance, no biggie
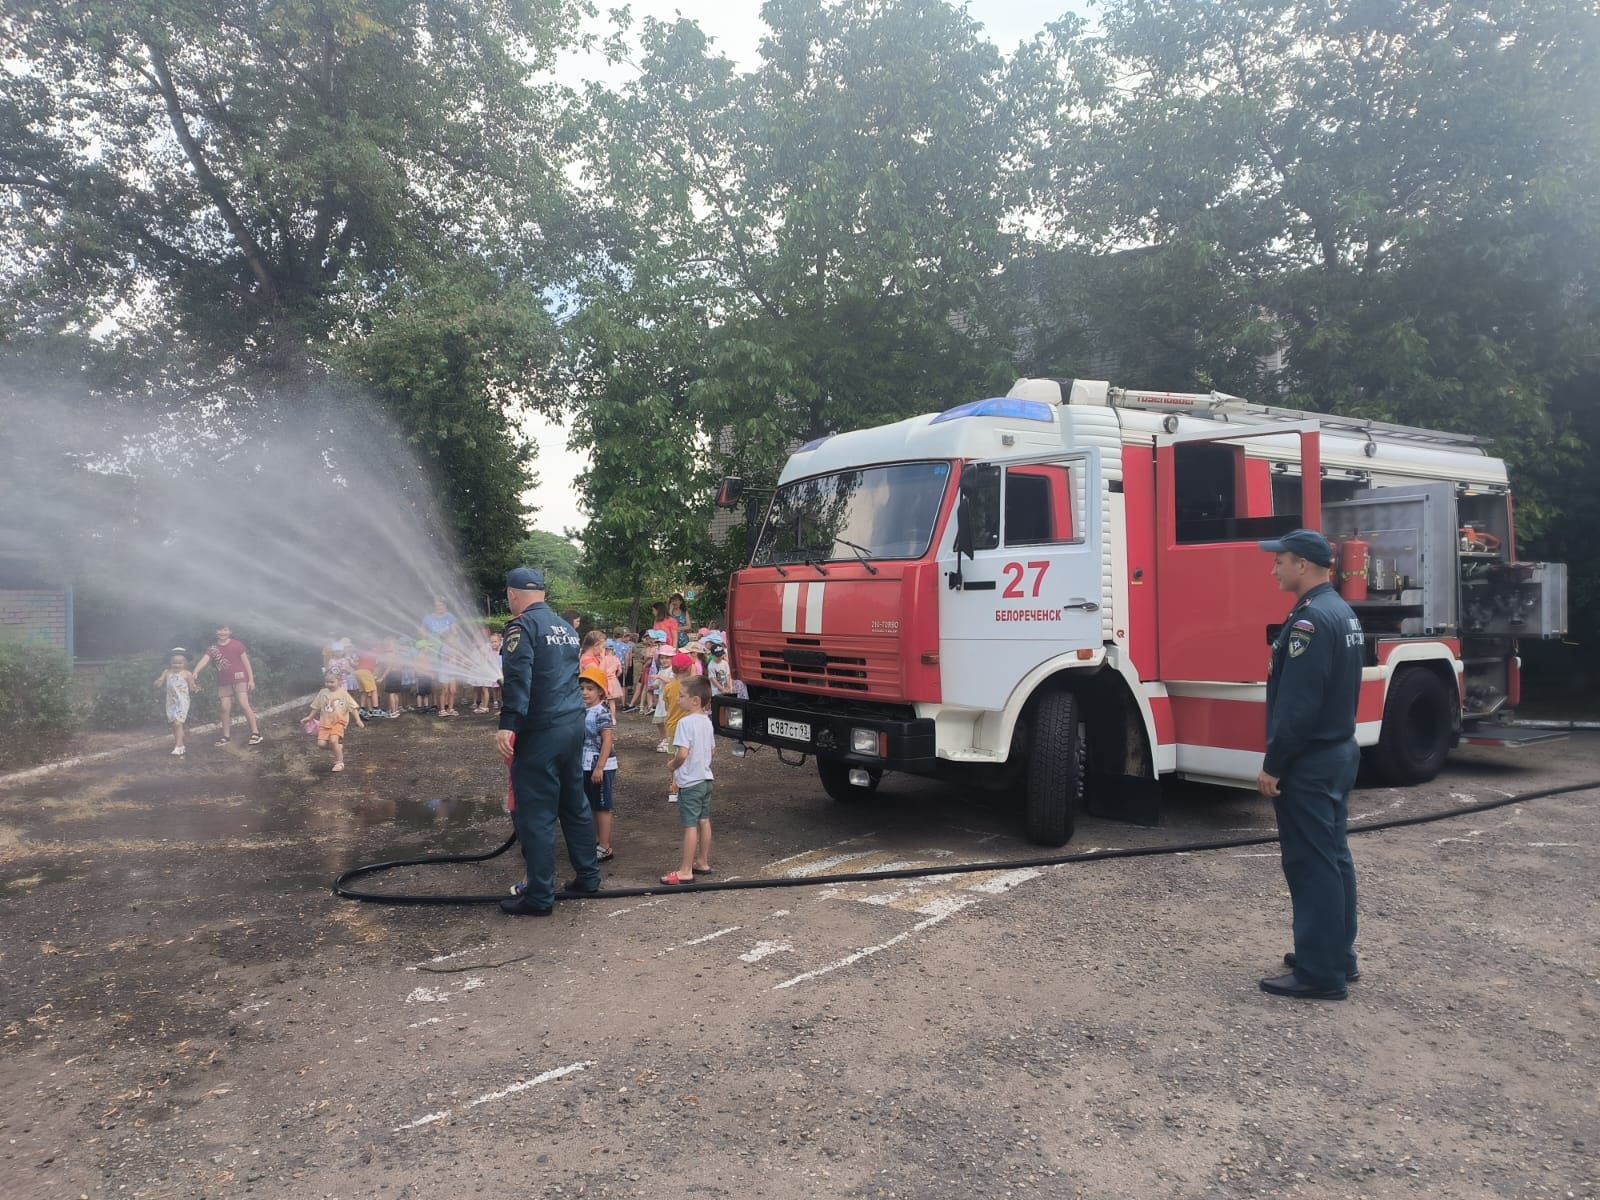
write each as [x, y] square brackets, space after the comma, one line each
[733, 718]
[864, 741]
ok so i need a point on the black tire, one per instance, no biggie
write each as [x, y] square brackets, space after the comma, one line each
[1054, 788]
[835, 776]
[1418, 728]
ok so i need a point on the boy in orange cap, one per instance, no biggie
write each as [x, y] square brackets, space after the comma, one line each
[599, 757]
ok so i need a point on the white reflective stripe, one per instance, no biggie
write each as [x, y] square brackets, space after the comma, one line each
[791, 601]
[814, 607]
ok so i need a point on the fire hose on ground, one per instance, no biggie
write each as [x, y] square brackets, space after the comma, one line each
[342, 885]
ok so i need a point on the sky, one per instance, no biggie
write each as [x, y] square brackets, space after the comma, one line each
[736, 30]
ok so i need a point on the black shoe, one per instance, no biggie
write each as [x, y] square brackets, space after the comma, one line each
[574, 886]
[1291, 986]
[520, 907]
[1351, 977]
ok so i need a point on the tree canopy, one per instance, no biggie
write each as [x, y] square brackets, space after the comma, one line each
[1375, 208]
[229, 190]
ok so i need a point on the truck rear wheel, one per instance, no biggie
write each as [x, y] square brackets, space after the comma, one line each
[1055, 770]
[835, 776]
[1418, 720]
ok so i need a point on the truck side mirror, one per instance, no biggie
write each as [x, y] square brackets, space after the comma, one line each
[730, 491]
[963, 540]
[977, 503]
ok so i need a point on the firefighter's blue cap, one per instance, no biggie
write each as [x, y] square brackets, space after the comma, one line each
[525, 579]
[1307, 543]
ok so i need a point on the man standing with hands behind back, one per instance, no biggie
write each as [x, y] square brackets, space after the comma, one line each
[1313, 686]
[541, 737]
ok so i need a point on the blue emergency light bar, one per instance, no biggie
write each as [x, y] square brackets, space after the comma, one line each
[1008, 407]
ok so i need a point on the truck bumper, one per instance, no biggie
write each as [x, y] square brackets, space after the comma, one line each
[866, 741]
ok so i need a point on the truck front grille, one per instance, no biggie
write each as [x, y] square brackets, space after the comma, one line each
[845, 667]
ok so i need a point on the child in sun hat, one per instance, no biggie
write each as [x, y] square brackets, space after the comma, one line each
[599, 756]
[659, 682]
[718, 673]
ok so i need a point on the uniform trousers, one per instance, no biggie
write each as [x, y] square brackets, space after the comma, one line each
[547, 777]
[1313, 809]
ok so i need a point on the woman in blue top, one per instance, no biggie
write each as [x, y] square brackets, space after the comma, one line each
[678, 610]
[440, 621]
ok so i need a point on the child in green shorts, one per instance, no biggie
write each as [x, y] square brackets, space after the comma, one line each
[692, 744]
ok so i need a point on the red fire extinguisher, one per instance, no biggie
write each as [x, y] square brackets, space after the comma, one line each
[1353, 569]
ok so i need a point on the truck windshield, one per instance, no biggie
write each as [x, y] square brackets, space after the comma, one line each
[888, 512]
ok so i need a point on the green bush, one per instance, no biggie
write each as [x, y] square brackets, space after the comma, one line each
[496, 623]
[36, 712]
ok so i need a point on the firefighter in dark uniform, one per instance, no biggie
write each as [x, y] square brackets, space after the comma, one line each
[541, 736]
[1310, 766]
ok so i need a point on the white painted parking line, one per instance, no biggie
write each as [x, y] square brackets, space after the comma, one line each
[439, 958]
[956, 905]
[764, 950]
[556, 1073]
[427, 995]
[421, 1121]
[994, 883]
[617, 912]
[489, 1097]
[823, 866]
[700, 941]
[778, 862]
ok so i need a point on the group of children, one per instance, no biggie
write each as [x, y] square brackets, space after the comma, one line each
[665, 671]
[422, 675]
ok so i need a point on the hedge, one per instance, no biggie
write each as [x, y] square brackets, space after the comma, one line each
[36, 711]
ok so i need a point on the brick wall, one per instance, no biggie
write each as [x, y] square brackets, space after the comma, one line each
[35, 614]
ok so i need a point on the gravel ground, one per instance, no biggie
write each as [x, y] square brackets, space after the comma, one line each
[186, 1011]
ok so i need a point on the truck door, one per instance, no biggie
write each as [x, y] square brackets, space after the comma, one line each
[1031, 588]
[1215, 592]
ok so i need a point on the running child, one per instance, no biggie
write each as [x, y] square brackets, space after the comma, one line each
[176, 680]
[691, 774]
[333, 707]
[599, 757]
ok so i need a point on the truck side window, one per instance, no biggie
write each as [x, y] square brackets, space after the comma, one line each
[1038, 506]
[980, 492]
[1223, 496]
[1205, 490]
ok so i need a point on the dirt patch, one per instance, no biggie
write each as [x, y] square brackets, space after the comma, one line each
[188, 1012]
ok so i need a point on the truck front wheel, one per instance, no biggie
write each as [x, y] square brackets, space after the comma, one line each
[1418, 720]
[1055, 770]
[835, 776]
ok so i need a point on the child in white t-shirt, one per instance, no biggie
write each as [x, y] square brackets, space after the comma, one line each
[692, 744]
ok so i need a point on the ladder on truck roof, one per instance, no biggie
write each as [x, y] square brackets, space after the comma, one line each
[1219, 406]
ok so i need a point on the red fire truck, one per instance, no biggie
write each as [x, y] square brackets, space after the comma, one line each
[1060, 589]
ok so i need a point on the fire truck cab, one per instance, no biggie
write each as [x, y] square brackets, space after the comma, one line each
[1061, 589]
